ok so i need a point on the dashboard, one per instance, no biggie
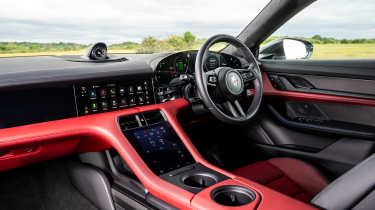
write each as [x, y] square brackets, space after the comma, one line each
[48, 88]
[54, 102]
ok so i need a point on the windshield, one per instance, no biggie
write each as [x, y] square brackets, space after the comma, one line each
[45, 27]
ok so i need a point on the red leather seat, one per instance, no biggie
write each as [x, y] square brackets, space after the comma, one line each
[286, 175]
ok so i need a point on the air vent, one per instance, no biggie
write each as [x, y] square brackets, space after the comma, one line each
[153, 117]
[129, 122]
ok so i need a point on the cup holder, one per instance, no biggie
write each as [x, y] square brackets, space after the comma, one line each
[199, 180]
[231, 195]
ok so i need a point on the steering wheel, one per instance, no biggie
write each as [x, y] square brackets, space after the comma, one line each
[220, 89]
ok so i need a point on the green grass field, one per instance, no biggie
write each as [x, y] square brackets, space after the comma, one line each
[343, 51]
[321, 51]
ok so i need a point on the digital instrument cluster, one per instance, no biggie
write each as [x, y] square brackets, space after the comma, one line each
[184, 63]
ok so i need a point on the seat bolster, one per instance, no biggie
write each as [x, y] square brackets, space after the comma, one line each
[261, 172]
[349, 189]
[303, 174]
[286, 175]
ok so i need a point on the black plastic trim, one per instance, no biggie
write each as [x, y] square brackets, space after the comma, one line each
[178, 176]
[128, 188]
[127, 201]
[232, 195]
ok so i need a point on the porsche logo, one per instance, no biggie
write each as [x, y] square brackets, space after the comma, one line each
[235, 80]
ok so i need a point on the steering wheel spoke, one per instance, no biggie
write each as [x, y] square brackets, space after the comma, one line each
[231, 108]
[235, 108]
[239, 108]
[248, 75]
[211, 78]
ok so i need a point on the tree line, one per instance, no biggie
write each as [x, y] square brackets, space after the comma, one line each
[317, 39]
[27, 47]
[151, 44]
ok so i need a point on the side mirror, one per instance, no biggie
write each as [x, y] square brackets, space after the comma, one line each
[286, 49]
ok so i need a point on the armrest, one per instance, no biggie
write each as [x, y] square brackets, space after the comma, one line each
[351, 190]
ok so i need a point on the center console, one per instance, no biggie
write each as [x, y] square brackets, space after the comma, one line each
[154, 139]
[164, 153]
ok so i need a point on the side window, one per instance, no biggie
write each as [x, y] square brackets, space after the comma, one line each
[335, 29]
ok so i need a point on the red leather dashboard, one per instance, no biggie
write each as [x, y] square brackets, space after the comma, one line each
[38, 142]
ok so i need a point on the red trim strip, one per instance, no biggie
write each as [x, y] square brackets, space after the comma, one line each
[269, 90]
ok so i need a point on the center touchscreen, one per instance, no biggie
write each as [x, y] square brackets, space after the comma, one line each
[160, 147]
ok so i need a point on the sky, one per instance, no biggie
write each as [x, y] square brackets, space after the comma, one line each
[115, 21]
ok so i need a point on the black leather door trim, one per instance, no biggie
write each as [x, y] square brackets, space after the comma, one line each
[360, 86]
[338, 86]
[355, 69]
[338, 130]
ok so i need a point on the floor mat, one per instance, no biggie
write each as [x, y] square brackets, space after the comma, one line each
[43, 186]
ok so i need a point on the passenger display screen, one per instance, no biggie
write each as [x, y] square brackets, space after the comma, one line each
[160, 147]
[35, 105]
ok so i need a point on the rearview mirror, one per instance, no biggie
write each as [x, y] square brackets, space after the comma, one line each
[286, 49]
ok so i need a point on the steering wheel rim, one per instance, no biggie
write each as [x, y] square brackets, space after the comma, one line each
[238, 116]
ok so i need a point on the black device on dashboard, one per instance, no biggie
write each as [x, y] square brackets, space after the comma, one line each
[156, 141]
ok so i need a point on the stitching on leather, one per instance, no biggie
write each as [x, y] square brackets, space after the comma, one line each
[274, 179]
[299, 193]
[299, 189]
